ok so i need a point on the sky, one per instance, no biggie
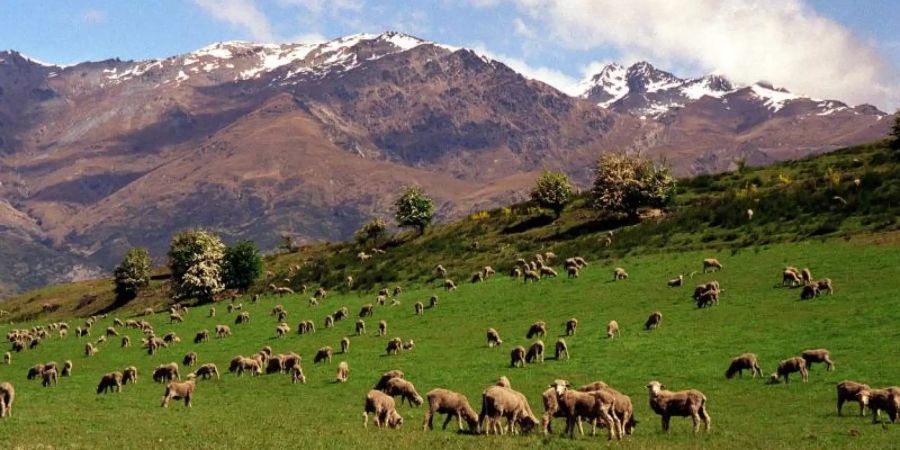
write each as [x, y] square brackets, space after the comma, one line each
[837, 49]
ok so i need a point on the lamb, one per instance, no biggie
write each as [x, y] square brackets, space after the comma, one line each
[746, 361]
[49, 376]
[166, 372]
[383, 408]
[324, 354]
[441, 271]
[809, 291]
[112, 381]
[612, 329]
[297, 375]
[530, 275]
[242, 318]
[282, 330]
[806, 276]
[7, 398]
[189, 359]
[202, 336]
[394, 346]
[207, 371]
[382, 328]
[571, 326]
[517, 357]
[593, 405]
[849, 391]
[676, 282]
[454, 405]
[449, 285]
[477, 277]
[711, 265]
[825, 285]
[653, 321]
[561, 348]
[89, 349]
[493, 338]
[130, 374]
[538, 328]
[686, 403]
[179, 390]
[572, 271]
[790, 278]
[223, 331]
[887, 400]
[499, 401]
[343, 372]
[535, 352]
[36, 371]
[419, 308]
[620, 274]
[548, 272]
[67, 369]
[404, 389]
[110, 332]
[345, 345]
[367, 310]
[819, 355]
[789, 366]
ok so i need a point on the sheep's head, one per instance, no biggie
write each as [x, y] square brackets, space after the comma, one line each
[503, 381]
[773, 379]
[654, 387]
[863, 396]
[395, 420]
[528, 422]
[560, 386]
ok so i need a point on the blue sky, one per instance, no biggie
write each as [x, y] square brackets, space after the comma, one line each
[826, 48]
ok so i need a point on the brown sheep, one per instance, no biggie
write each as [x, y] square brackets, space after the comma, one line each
[130, 374]
[223, 331]
[179, 390]
[202, 336]
[329, 321]
[653, 321]
[297, 375]
[552, 411]
[789, 366]
[381, 385]
[571, 326]
[404, 389]
[242, 318]
[343, 372]
[382, 328]
[175, 318]
[612, 329]
[711, 265]
[110, 332]
[676, 282]
[384, 410]
[493, 338]
[454, 405]
[477, 277]
[746, 361]
[686, 403]
[291, 360]
[282, 330]
[345, 345]
[498, 402]
[806, 276]
[419, 308]
[819, 355]
[189, 359]
[394, 346]
[248, 365]
[535, 352]
[790, 278]
[367, 310]
[7, 398]
[538, 328]
[7, 358]
[594, 405]
[810, 291]
[560, 348]
[274, 364]
[207, 371]
[449, 285]
[877, 400]
[571, 271]
[530, 275]
[112, 381]
[624, 409]
[825, 285]
[849, 391]
[620, 274]
[547, 272]
[67, 369]
[166, 372]
[49, 377]
[323, 355]
[517, 357]
[89, 350]
[126, 341]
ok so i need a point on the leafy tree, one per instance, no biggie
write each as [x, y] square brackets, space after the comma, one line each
[552, 191]
[243, 265]
[624, 185]
[372, 231]
[195, 259]
[414, 209]
[895, 131]
[132, 274]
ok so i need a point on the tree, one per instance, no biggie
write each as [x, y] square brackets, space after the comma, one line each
[242, 265]
[371, 231]
[552, 191]
[895, 131]
[624, 185]
[414, 209]
[195, 259]
[132, 274]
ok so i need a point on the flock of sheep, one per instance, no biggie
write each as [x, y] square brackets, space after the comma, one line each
[598, 403]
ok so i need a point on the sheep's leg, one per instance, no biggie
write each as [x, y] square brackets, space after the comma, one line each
[862, 409]
[707, 420]
[840, 404]
[665, 423]
[695, 418]
[447, 422]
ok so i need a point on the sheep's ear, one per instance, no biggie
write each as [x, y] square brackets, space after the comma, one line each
[662, 386]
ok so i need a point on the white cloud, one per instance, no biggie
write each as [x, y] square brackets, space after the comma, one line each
[553, 77]
[241, 14]
[785, 42]
[93, 16]
[325, 6]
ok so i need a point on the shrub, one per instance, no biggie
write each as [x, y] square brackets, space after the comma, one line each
[132, 274]
[552, 191]
[372, 231]
[242, 265]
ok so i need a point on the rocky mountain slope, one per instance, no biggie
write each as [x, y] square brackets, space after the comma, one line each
[257, 140]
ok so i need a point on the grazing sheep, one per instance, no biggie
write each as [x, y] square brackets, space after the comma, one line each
[538, 328]
[746, 361]
[711, 265]
[297, 375]
[419, 308]
[202, 336]
[320, 293]
[535, 352]
[341, 314]
[382, 383]
[171, 338]
[454, 405]
[487, 272]
[477, 277]
[384, 410]
[653, 321]
[179, 390]
[148, 312]
[806, 276]
[572, 271]
[612, 329]
[561, 348]
[849, 391]
[493, 338]
[503, 381]
[349, 282]
[706, 297]
[67, 369]
[441, 271]
[824, 285]
[548, 272]
[7, 397]
[530, 275]
[449, 285]
[343, 372]
[571, 326]
[877, 400]
[166, 372]
[246, 365]
[623, 408]
[329, 321]
[686, 403]
[313, 302]
[126, 341]
[676, 282]
[360, 327]
[130, 374]
[242, 318]
[223, 331]
[593, 405]
[7, 358]
[404, 389]
[789, 366]
[212, 311]
[394, 346]
[409, 345]
[324, 354]
[819, 355]
[498, 402]
[49, 376]
[382, 328]
[620, 274]
[517, 357]
[89, 349]
[207, 371]
[282, 330]
[189, 359]
[291, 360]
[112, 381]
[367, 310]
[175, 317]
[433, 301]
[809, 291]
[516, 272]
[345, 345]
[551, 410]
[110, 332]
[790, 278]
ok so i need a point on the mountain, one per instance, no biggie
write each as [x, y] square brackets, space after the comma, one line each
[259, 140]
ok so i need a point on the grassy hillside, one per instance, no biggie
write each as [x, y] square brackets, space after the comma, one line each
[691, 349]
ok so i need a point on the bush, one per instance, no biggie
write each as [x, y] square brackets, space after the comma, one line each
[242, 265]
[414, 209]
[132, 274]
[623, 184]
[552, 191]
[372, 231]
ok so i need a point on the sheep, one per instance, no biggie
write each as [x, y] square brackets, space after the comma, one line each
[274, 364]
[517, 357]
[247, 365]
[89, 349]
[176, 318]
[419, 308]
[806, 275]
[676, 282]
[384, 410]
[112, 381]
[307, 326]
[538, 328]
[493, 338]
[345, 345]
[810, 291]
[746, 361]
[201, 336]
[535, 352]
[324, 354]
[433, 301]
[367, 310]
[179, 390]
[571, 326]
[790, 278]
[667, 404]
[612, 329]
[223, 331]
[282, 330]
[548, 272]
[706, 297]
[7, 398]
[824, 285]
[487, 272]
[329, 321]
[620, 274]
[49, 376]
[516, 272]
[312, 302]
[189, 359]
[503, 381]
[341, 314]
[477, 277]
[360, 327]
[551, 410]
[394, 346]
[877, 400]
[623, 408]
[207, 371]
[572, 271]
[384, 292]
[148, 312]
[454, 405]
[343, 372]
[126, 341]
[291, 360]
[297, 375]
[67, 369]
[711, 265]
[110, 332]
[499, 401]
[593, 405]
[849, 391]
[382, 328]
[449, 285]
[130, 374]
[819, 355]
[242, 318]
[581, 262]
[171, 338]
[561, 348]
[101, 340]
[382, 383]
[404, 389]
[7, 358]
[409, 345]
[789, 366]
[653, 321]
[441, 271]
[166, 372]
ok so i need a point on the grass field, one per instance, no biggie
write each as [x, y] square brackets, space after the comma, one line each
[691, 349]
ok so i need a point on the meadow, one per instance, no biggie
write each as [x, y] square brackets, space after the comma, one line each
[691, 349]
